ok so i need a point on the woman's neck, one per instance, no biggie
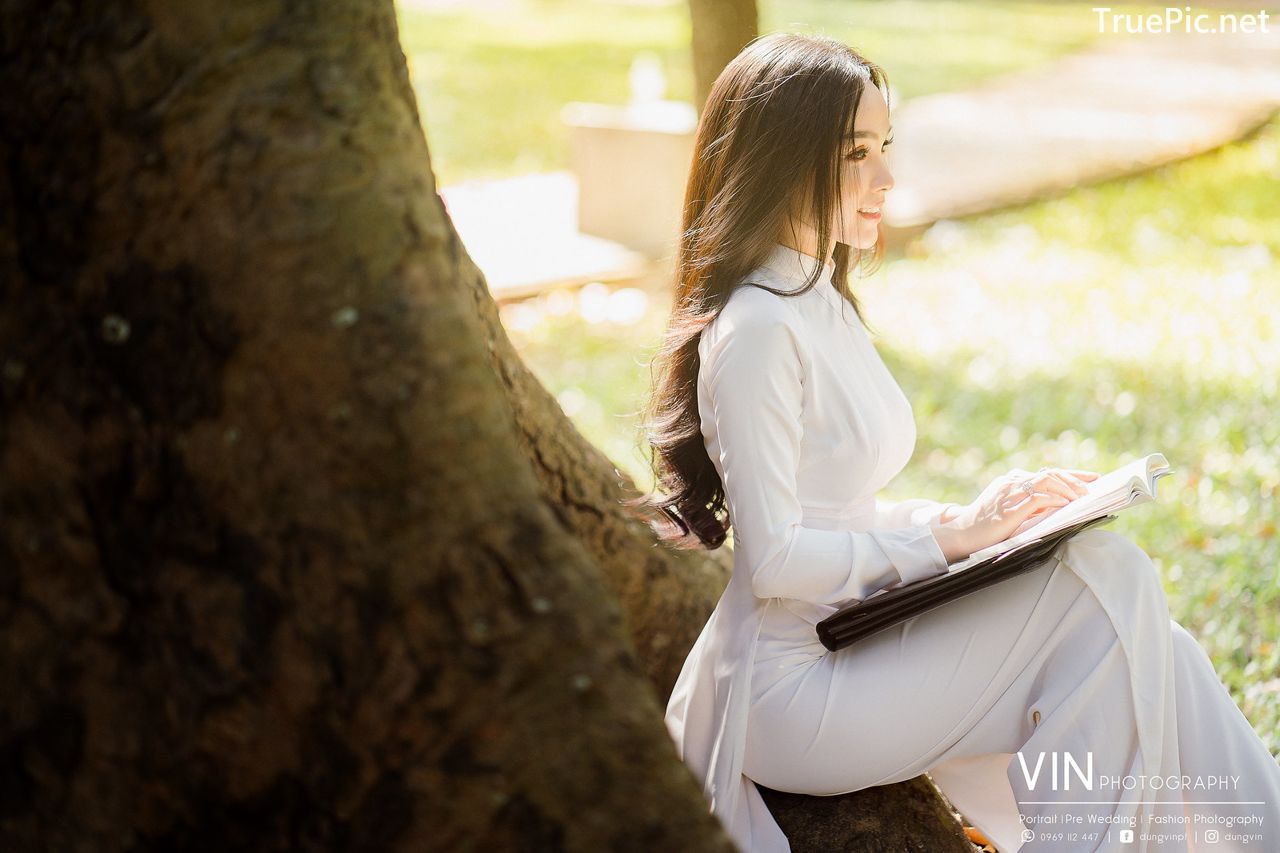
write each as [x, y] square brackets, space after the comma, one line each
[806, 242]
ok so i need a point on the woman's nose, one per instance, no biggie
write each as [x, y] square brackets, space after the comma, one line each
[883, 180]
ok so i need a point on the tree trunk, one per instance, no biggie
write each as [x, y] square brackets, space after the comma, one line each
[277, 572]
[720, 29]
[296, 553]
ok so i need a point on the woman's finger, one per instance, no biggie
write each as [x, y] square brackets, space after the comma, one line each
[1019, 498]
[1074, 487]
[1038, 500]
[1051, 481]
[1081, 486]
[1032, 520]
[1028, 522]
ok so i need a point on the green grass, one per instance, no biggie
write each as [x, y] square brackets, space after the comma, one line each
[490, 85]
[1133, 316]
[1129, 317]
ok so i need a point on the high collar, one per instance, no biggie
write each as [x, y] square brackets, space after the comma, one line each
[795, 267]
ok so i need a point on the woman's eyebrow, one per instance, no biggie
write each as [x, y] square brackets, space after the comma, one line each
[861, 133]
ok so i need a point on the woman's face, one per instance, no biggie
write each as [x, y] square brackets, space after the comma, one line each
[866, 179]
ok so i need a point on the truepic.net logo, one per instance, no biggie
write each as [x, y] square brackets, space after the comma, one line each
[1173, 19]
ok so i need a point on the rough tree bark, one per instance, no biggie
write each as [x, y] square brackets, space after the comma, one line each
[277, 574]
[719, 29]
[295, 552]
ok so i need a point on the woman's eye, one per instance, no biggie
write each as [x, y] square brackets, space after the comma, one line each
[861, 153]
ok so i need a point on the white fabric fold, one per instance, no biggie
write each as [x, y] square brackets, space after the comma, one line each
[804, 424]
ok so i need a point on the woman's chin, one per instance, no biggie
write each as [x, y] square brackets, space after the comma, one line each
[859, 243]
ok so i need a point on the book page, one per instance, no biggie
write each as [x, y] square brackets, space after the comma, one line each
[1111, 491]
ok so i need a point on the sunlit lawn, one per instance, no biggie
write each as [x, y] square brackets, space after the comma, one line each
[491, 78]
[1131, 317]
[1122, 319]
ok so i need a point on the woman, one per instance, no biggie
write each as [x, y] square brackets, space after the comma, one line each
[774, 405]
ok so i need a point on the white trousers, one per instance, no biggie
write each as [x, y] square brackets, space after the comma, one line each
[1074, 669]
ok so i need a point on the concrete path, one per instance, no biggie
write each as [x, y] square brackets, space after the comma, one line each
[1126, 104]
[523, 234]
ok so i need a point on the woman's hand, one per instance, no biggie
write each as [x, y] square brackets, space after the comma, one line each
[1004, 509]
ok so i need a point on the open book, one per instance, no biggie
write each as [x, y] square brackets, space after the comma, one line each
[1132, 483]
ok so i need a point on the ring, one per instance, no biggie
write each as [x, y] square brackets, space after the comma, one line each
[1026, 486]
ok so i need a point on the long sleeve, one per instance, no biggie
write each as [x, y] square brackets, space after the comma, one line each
[913, 511]
[755, 381]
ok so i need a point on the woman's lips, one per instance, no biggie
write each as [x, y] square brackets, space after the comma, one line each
[874, 217]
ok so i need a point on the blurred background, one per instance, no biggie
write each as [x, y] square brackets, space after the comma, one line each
[1084, 259]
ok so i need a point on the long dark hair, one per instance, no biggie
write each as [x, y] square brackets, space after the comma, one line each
[771, 135]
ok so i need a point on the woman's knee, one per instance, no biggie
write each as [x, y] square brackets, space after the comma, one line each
[1111, 540]
[1185, 642]
[1115, 547]
[1180, 633]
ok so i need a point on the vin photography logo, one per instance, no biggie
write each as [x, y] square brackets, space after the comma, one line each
[1064, 772]
[1063, 767]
